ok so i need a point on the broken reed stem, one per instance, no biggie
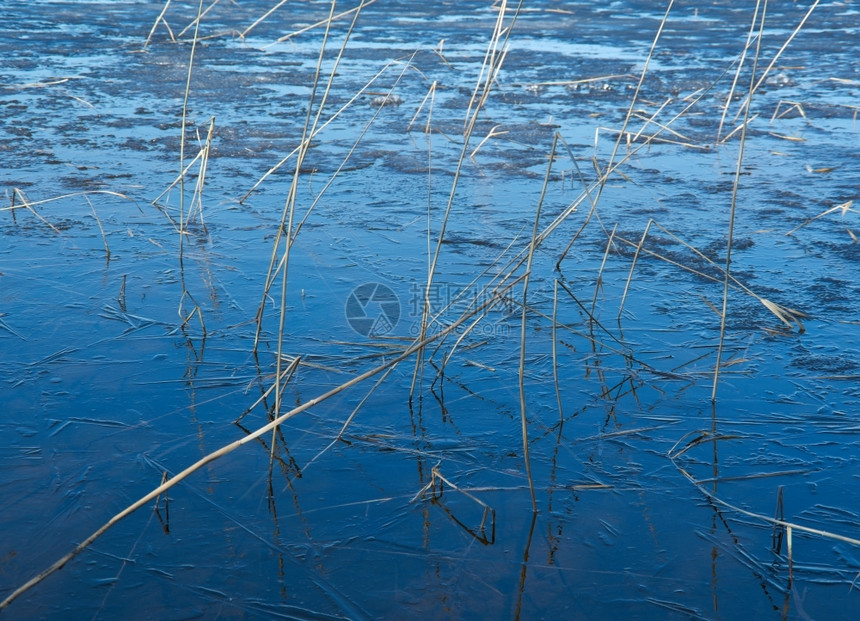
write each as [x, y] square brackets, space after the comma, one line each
[229, 448]
[733, 209]
[843, 207]
[178, 178]
[789, 316]
[194, 311]
[522, 367]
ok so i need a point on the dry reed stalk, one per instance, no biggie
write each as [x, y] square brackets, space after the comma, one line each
[286, 373]
[736, 78]
[466, 332]
[844, 208]
[599, 282]
[28, 205]
[194, 311]
[64, 196]
[431, 95]
[682, 139]
[555, 349]
[522, 365]
[197, 197]
[493, 59]
[196, 20]
[633, 266]
[503, 275]
[262, 18]
[101, 229]
[586, 193]
[741, 127]
[602, 78]
[229, 448]
[794, 105]
[496, 61]
[629, 139]
[733, 208]
[158, 19]
[325, 23]
[337, 113]
[765, 73]
[488, 512]
[521, 589]
[349, 154]
[182, 136]
[613, 165]
[290, 203]
[286, 223]
[649, 119]
[706, 436]
[592, 319]
[633, 101]
[493, 133]
[790, 317]
[178, 178]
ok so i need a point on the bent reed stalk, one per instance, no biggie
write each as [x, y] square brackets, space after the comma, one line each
[415, 347]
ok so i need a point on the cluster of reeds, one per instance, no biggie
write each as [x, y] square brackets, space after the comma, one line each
[512, 272]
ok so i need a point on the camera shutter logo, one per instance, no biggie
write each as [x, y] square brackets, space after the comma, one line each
[372, 309]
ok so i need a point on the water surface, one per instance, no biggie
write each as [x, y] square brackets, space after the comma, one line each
[652, 502]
